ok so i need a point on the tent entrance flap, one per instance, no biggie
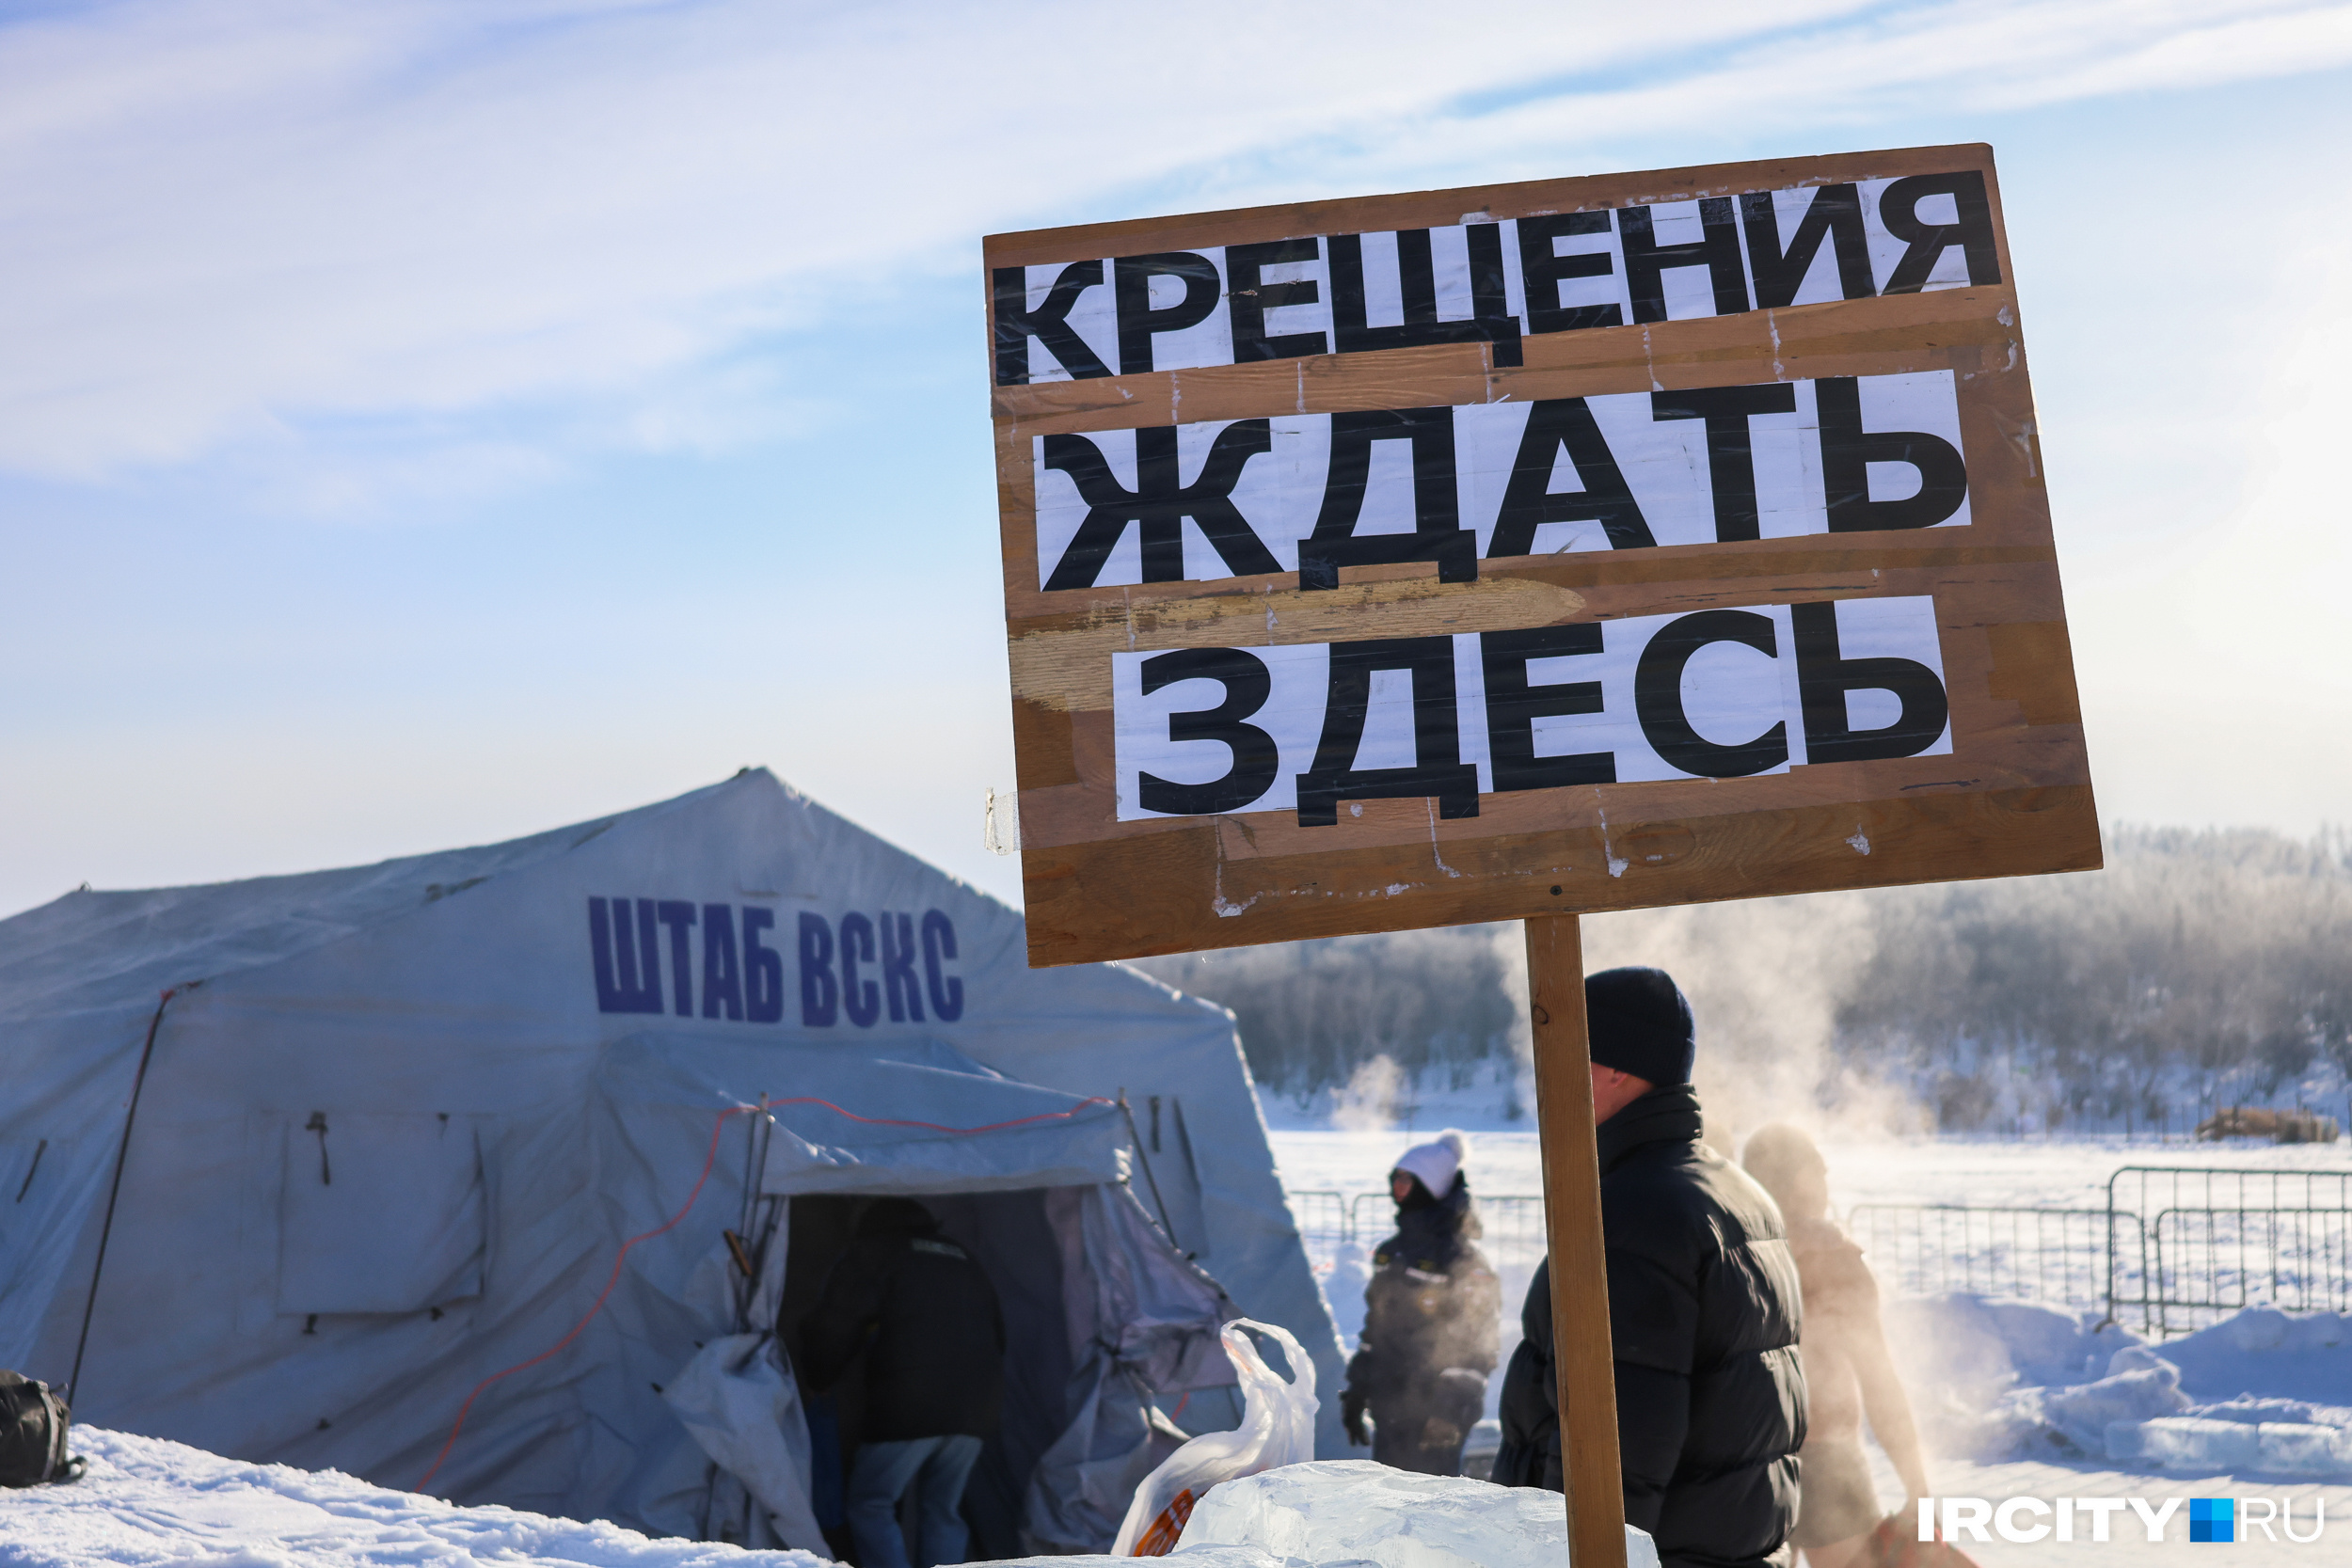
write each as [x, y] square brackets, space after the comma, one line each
[1102, 1316]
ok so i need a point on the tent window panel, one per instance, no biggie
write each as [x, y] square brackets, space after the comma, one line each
[379, 1214]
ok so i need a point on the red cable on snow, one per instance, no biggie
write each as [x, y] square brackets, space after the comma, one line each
[709, 1161]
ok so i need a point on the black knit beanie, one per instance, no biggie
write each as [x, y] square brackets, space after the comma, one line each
[1640, 1024]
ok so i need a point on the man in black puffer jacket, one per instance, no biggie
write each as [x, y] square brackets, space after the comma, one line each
[1702, 1307]
[933, 1336]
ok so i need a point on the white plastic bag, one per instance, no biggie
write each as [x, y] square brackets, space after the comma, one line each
[1277, 1428]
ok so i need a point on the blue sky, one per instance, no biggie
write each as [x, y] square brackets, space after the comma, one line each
[425, 423]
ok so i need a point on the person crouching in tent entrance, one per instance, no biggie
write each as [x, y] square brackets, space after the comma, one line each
[1847, 1372]
[933, 1333]
[1432, 1320]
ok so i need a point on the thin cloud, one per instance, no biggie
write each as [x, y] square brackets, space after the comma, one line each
[1977, 57]
[224, 220]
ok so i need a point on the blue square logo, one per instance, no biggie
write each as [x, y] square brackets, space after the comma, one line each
[2213, 1518]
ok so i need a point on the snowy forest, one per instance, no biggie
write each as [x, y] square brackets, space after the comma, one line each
[2198, 970]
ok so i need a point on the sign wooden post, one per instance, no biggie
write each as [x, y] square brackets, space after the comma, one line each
[1584, 1374]
[1524, 551]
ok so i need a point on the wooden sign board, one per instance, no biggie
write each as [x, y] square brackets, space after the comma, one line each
[1572, 546]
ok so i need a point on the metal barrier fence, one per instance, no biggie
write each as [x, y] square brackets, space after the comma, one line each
[2219, 1240]
[1516, 1235]
[2212, 1262]
[2054, 1256]
[1513, 1225]
[1323, 1226]
[2176, 1249]
[2225, 1239]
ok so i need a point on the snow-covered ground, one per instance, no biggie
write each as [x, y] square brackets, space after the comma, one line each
[146, 1502]
[154, 1504]
[2069, 1174]
[2024, 1402]
[149, 1502]
[1493, 1096]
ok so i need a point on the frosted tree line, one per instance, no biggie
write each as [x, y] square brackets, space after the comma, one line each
[2199, 969]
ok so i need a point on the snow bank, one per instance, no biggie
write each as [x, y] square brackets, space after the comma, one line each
[1354, 1512]
[2263, 1392]
[146, 1500]
[2199, 1445]
[2263, 1353]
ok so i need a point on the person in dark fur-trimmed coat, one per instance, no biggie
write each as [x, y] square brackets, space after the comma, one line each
[1432, 1327]
[1704, 1308]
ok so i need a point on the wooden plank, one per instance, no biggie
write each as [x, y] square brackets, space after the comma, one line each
[1136, 895]
[1064, 662]
[1582, 1362]
[1971, 333]
[1106, 878]
[1479, 205]
[1902, 332]
[1161, 884]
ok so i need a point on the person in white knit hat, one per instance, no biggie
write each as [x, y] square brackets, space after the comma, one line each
[1432, 1320]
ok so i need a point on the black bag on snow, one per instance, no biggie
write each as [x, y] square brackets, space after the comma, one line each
[32, 1427]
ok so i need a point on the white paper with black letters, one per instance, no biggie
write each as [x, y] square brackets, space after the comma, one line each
[1686, 288]
[1666, 465]
[1732, 695]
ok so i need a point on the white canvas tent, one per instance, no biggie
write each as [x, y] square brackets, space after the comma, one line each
[414, 1122]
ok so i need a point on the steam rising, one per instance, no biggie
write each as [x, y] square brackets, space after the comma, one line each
[1766, 979]
[1368, 1104]
[2199, 970]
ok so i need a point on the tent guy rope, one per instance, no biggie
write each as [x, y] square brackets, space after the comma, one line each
[114, 1191]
